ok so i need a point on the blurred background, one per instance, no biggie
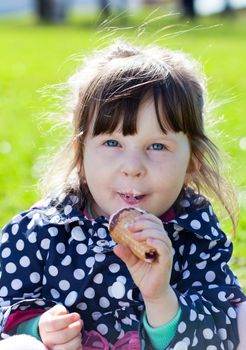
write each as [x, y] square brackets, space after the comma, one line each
[41, 44]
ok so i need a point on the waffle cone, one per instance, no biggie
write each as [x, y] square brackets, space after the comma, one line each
[118, 224]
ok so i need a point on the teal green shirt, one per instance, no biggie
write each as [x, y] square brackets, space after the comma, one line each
[161, 337]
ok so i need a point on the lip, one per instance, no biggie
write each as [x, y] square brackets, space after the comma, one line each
[131, 197]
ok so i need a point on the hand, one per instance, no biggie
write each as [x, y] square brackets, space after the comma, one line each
[60, 329]
[153, 279]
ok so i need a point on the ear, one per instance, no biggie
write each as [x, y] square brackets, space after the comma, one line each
[193, 168]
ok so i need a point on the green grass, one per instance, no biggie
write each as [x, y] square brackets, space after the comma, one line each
[34, 56]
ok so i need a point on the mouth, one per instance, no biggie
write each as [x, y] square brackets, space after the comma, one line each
[131, 198]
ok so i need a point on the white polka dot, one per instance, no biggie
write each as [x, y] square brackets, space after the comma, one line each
[118, 290]
[192, 249]
[195, 341]
[181, 249]
[45, 243]
[15, 229]
[90, 261]
[55, 294]
[207, 333]
[79, 274]
[181, 345]
[60, 248]
[38, 255]
[104, 302]
[4, 292]
[205, 216]
[78, 234]
[201, 265]
[71, 298]
[195, 224]
[82, 306]
[196, 284]
[25, 261]
[182, 327]
[227, 243]
[17, 218]
[185, 216]
[98, 278]
[214, 232]
[6, 253]
[100, 257]
[211, 347]
[10, 267]
[68, 209]
[216, 256]
[185, 203]
[40, 302]
[16, 284]
[121, 279]
[222, 296]
[230, 345]
[20, 245]
[81, 248]
[210, 276]
[96, 315]
[53, 231]
[35, 277]
[102, 233]
[32, 238]
[102, 328]
[67, 260]
[176, 266]
[212, 244]
[231, 313]
[89, 293]
[204, 256]
[223, 333]
[64, 285]
[5, 237]
[211, 210]
[186, 274]
[53, 271]
[114, 268]
[193, 315]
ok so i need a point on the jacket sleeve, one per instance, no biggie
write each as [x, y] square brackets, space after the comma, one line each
[23, 250]
[208, 293]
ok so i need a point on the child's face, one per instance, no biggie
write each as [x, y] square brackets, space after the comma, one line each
[144, 170]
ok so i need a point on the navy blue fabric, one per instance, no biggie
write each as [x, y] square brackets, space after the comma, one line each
[54, 254]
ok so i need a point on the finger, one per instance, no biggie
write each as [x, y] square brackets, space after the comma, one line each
[149, 217]
[73, 344]
[165, 252]
[143, 225]
[65, 335]
[154, 234]
[58, 310]
[59, 322]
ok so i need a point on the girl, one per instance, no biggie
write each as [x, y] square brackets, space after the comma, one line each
[138, 140]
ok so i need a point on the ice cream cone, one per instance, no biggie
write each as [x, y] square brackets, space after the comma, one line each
[118, 228]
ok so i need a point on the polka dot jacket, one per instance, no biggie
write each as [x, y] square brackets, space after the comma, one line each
[54, 254]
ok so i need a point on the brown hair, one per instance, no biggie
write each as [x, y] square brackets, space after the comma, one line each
[109, 89]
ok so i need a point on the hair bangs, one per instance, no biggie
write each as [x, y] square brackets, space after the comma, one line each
[119, 102]
[176, 106]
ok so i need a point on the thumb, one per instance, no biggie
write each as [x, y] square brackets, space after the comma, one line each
[58, 310]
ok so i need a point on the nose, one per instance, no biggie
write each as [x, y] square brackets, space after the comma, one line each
[133, 165]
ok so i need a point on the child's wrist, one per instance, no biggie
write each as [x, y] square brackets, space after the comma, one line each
[162, 310]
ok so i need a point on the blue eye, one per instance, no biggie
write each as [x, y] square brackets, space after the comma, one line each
[157, 147]
[111, 143]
